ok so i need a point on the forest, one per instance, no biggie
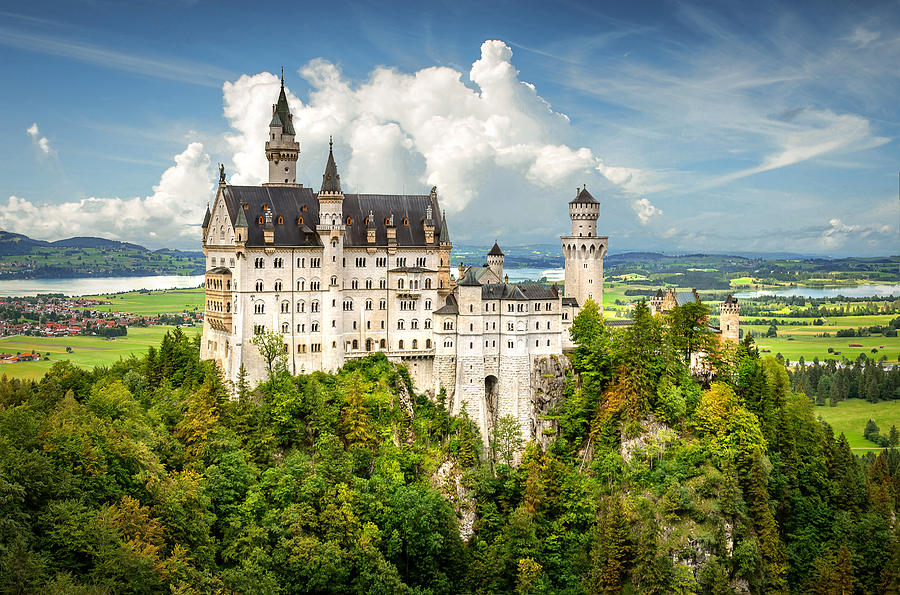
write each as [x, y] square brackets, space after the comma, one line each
[146, 476]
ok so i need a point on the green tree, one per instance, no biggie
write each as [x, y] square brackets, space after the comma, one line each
[272, 348]
[507, 439]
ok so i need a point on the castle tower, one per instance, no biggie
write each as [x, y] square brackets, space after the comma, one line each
[584, 250]
[282, 150]
[730, 319]
[495, 261]
[445, 248]
[331, 230]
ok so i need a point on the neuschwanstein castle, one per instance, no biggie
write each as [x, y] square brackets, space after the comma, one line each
[343, 275]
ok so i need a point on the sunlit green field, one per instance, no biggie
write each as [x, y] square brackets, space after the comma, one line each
[87, 351]
[794, 341]
[169, 301]
[850, 417]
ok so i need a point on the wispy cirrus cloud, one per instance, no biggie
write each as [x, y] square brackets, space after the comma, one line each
[185, 71]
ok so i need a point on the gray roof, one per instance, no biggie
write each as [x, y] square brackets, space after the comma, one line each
[495, 251]
[206, 218]
[219, 271]
[686, 297]
[584, 197]
[288, 201]
[730, 299]
[518, 291]
[469, 279]
[570, 301]
[451, 307]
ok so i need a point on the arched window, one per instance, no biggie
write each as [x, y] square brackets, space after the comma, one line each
[350, 222]
[427, 323]
[285, 328]
[314, 307]
[400, 344]
[259, 220]
[427, 283]
[355, 342]
[406, 222]
[414, 324]
[301, 306]
[285, 307]
[278, 285]
[427, 343]
[415, 344]
[259, 308]
[334, 279]
[368, 304]
[381, 344]
[399, 283]
[368, 344]
[259, 285]
[280, 220]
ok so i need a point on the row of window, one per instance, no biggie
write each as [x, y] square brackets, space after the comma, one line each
[316, 263]
[405, 305]
[221, 262]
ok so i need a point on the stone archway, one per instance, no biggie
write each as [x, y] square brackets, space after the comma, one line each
[491, 386]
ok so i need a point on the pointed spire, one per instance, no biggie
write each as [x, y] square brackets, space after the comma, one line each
[495, 251]
[282, 115]
[206, 217]
[331, 181]
[241, 218]
[444, 238]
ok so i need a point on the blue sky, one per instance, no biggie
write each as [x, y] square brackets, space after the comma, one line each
[734, 127]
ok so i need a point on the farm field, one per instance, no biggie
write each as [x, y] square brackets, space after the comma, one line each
[168, 301]
[850, 417]
[88, 351]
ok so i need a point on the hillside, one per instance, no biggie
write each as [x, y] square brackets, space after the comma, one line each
[145, 476]
[22, 257]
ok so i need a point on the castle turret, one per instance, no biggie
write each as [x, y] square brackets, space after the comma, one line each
[444, 251]
[331, 230]
[730, 319]
[495, 261]
[282, 150]
[584, 250]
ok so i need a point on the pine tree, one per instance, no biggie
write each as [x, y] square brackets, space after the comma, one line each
[610, 552]
[774, 560]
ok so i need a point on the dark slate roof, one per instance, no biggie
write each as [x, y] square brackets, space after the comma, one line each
[518, 291]
[686, 297]
[659, 293]
[219, 271]
[584, 197]
[331, 181]
[288, 200]
[451, 307]
[284, 112]
[206, 218]
[469, 279]
[570, 301]
[285, 201]
[495, 251]
[730, 299]
[276, 121]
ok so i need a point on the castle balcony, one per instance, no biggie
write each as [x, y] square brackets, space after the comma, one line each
[218, 298]
[409, 293]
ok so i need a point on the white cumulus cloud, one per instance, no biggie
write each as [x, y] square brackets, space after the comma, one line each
[170, 217]
[411, 131]
[645, 210]
[41, 141]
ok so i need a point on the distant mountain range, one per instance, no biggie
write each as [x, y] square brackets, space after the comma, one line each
[16, 243]
[22, 257]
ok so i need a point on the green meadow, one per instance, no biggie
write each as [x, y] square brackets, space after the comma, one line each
[850, 417]
[167, 301]
[794, 341]
[87, 352]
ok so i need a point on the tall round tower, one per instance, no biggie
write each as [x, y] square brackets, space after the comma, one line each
[282, 150]
[730, 319]
[584, 250]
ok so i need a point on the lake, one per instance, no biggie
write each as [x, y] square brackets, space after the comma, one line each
[825, 292]
[518, 275]
[95, 285]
